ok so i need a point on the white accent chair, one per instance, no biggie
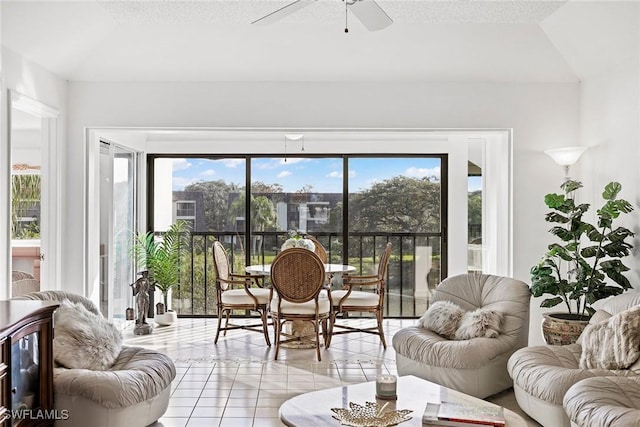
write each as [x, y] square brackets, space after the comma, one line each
[477, 366]
[542, 375]
[134, 392]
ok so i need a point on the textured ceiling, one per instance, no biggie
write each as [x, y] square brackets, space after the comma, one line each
[330, 11]
[213, 40]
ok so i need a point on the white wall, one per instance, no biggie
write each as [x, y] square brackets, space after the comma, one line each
[31, 80]
[610, 125]
[542, 116]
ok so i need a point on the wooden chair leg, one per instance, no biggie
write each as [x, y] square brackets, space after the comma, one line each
[332, 319]
[263, 316]
[316, 327]
[380, 331]
[226, 322]
[220, 313]
[325, 332]
[278, 328]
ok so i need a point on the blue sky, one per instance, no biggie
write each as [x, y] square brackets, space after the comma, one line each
[323, 174]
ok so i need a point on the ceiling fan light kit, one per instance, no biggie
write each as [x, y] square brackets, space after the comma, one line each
[372, 16]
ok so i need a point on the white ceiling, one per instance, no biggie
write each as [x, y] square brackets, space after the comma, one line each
[213, 40]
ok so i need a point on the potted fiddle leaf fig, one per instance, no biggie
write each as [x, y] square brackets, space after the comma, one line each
[162, 256]
[584, 264]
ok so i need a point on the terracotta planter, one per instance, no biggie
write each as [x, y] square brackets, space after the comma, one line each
[562, 328]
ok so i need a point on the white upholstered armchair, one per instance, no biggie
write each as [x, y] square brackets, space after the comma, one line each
[476, 366]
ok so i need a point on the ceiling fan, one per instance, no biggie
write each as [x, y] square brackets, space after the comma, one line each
[372, 16]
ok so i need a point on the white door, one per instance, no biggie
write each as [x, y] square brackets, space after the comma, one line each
[117, 224]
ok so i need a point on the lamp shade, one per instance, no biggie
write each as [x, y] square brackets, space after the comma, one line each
[565, 156]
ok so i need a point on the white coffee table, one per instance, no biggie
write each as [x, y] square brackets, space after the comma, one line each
[314, 409]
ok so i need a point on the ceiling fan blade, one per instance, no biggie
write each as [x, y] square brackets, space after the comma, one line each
[283, 12]
[372, 16]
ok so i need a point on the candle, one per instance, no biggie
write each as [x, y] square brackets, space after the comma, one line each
[386, 387]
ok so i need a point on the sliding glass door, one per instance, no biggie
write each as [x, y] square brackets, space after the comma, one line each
[352, 205]
[398, 200]
[117, 224]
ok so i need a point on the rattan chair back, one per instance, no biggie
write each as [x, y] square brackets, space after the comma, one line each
[384, 262]
[221, 264]
[319, 249]
[297, 275]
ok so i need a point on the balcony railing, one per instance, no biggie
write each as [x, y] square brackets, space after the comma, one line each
[414, 267]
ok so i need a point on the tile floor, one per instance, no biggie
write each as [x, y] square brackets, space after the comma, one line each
[238, 383]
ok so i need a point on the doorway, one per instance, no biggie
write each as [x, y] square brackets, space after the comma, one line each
[34, 191]
[118, 210]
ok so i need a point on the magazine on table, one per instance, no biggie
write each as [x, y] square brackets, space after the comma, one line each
[461, 414]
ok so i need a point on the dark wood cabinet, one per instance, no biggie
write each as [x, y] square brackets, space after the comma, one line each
[26, 363]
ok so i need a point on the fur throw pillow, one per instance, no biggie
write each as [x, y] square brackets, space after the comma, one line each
[442, 317]
[481, 322]
[613, 343]
[84, 340]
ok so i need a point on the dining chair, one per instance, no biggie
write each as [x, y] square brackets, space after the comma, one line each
[354, 298]
[297, 276]
[238, 292]
[319, 249]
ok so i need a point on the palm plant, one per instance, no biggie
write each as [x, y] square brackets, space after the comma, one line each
[162, 255]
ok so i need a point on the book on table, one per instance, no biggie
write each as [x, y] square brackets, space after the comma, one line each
[460, 414]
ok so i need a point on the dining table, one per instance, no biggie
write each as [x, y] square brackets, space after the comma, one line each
[329, 269]
[300, 327]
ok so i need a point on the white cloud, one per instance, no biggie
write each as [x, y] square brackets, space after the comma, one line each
[232, 163]
[208, 172]
[423, 172]
[336, 174]
[284, 174]
[181, 164]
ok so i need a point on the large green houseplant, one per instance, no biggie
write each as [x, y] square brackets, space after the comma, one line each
[585, 264]
[162, 255]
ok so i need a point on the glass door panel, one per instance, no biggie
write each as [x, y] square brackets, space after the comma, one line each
[296, 193]
[207, 193]
[399, 200]
[118, 220]
[124, 220]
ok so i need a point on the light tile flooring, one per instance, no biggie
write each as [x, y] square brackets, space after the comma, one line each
[238, 383]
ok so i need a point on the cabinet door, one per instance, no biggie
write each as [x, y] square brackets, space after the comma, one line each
[25, 372]
[5, 402]
[31, 384]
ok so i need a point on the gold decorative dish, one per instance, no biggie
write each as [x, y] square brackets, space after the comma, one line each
[370, 415]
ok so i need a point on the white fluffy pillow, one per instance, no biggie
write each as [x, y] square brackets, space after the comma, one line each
[84, 340]
[481, 322]
[613, 343]
[442, 317]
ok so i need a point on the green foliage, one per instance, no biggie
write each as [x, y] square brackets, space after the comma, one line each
[397, 204]
[585, 266]
[216, 201]
[162, 255]
[25, 195]
[475, 207]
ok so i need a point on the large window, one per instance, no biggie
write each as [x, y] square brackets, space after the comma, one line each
[353, 205]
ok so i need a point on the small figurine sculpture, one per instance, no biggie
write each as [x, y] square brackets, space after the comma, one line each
[141, 289]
